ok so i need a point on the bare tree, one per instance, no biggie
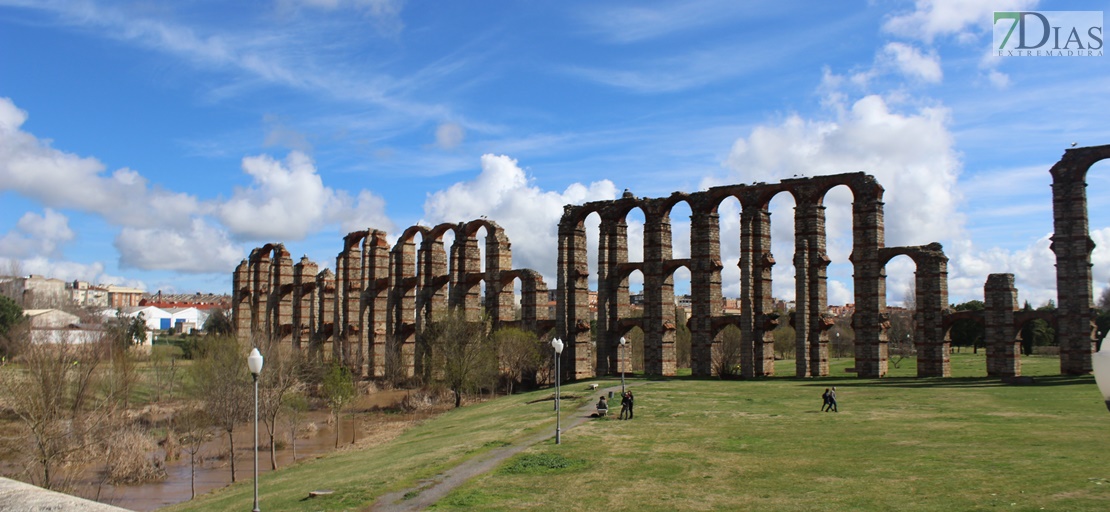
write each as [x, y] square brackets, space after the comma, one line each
[193, 424]
[726, 353]
[283, 366]
[51, 388]
[221, 376]
[295, 406]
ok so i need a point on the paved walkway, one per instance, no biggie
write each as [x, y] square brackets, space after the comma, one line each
[429, 491]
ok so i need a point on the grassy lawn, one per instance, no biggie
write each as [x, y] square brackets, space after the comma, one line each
[966, 443]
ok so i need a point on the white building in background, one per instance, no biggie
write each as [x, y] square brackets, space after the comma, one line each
[154, 317]
[56, 326]
[185, 320]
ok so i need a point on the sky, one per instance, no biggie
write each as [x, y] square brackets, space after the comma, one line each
[154, 144]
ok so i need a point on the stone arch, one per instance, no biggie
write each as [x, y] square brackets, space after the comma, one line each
[533, 301]
[265, 301]
[931, 287]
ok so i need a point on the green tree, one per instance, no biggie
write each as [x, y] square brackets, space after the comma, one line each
[968, 333]
[11, 316]
[218, 323]
[339, 389]
[463, 354]
[519, 354]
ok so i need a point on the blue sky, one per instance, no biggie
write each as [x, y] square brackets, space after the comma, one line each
[156, 143]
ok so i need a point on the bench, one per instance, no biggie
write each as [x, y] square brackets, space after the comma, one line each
[602, 412]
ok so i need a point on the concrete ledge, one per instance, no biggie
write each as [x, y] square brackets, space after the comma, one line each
[15, 495]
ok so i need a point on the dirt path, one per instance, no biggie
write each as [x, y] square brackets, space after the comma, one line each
[429, 491]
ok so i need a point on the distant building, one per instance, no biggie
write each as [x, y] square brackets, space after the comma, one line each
[86, 295]
[123, 297]
[35, 291]
[203, 302]
[57, 326]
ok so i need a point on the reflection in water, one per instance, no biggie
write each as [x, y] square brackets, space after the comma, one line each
[216, 472]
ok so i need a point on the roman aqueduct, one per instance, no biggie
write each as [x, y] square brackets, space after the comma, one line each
[380, 298]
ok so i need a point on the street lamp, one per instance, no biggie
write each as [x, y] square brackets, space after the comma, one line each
[557, 344]
[254, 363]
[620, 354]
[1101, 365]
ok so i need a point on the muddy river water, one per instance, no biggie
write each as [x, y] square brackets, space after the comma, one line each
[366, 423]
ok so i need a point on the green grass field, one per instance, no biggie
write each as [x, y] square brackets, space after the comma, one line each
[964, 443]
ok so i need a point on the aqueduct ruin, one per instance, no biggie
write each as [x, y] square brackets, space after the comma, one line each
[380, 298]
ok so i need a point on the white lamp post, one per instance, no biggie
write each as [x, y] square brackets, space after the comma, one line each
[1100, 362]
[557, 344]
[620, 354]
[254, 363]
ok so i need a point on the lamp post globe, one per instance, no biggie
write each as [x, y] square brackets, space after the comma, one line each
[557, 344]
[254, 364]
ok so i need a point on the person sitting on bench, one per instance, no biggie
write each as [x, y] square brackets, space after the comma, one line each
[602, 406]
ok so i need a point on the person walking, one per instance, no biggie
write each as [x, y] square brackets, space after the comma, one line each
[825, 400]
[832, 400]
[624, 406]
[631, 402]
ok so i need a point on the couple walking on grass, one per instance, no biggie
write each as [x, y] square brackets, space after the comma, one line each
[830, 400]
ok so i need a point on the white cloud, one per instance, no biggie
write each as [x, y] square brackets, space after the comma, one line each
[36, 235]
[963, 19]
[529, 215]
[288, 200]
[203, 248]
[30, 167]
[914, 64]
[449, 135]
[911, 154]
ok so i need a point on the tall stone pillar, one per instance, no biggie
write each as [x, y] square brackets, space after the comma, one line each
[659, 305]
[259, 264]
[348, 267]
[304, 280]
[705, 284]
[499, 292]
[607, 283]
[869, 280]
[810, 284]
[280, 304]
[758, 317]
[574, 288]
[402, 307]
[466, 275]
[322, 324]
[932, 300]
[241, 298]
[373, 319]
[1000, 335]
[1071, 241]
